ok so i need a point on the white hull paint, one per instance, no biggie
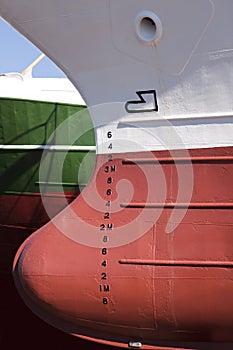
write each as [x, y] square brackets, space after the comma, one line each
[188, 64]
[58, 90]
[62, 148]
[131, 135]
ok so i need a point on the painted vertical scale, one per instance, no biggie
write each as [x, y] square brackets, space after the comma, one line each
[107, 226]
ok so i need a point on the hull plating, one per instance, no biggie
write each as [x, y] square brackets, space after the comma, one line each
[173, 286]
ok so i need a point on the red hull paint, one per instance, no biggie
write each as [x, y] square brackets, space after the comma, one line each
[26, 210]
[21, 215]
[162, 287]
[19, 328]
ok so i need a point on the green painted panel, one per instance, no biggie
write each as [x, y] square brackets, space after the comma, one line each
[32, 123]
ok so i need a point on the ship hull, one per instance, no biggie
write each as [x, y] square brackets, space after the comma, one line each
[31, 123]
[181, 289]
[144, 254]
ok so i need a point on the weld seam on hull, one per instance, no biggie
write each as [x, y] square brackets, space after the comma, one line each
[169, 160]
[178, 263]
[178, 205]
